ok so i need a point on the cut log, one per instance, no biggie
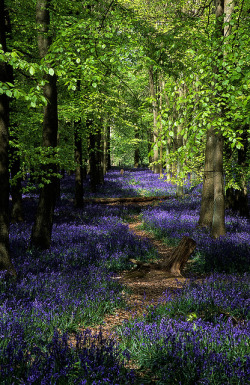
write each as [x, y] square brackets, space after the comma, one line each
[179, 257]
[130, 199]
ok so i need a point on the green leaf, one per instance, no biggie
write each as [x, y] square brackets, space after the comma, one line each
[9, 93]
[32, 70]
[94, 85]
[51, 71]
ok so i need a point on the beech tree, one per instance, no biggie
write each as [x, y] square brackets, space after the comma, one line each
[5, 260]
[42, 228]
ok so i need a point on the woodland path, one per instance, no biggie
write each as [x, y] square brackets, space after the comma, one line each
[147, 287]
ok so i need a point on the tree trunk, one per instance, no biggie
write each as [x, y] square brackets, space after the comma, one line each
[94, 177]
[42, 228]
[207, 197]
[108, 149]
[218, 222]
[5, 261]
[172, 264]
[156, 166]
[16, 188]
[79, 169]
[99, 153]
[137, 152]
[179, 257]
[179, 168]
[168, 168]
[104, 149]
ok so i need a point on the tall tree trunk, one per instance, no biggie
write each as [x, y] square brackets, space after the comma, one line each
[168, 167]
[42, 228]
[218, 222]
[78, 169]
[213, 197]
[104, 148]
[156, 166]
[207, 197]
[150, 143]
[160, 129]
[16, 188]
[99, 154]
[108, 148]
[137, 152]
[179, 188]
[92, 156]
[5, 260]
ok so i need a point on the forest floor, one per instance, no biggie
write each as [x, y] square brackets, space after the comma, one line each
[145, 287]
[94, 309]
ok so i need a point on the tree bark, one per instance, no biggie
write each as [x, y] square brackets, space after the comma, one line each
[156, 165]
[78, 169]
[108, 149]
[179, 257]
[124, 200]
[42, 228]
[171, 266]
[218, 222]
[5, 260]
[137, 152]
[207, 197]
[212, 213]
[16, 188]
[92, 158]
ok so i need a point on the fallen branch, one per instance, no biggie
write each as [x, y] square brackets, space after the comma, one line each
[123, 199]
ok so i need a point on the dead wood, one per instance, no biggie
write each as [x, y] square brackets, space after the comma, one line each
[130, 199]
[179, 257]
[170, 266]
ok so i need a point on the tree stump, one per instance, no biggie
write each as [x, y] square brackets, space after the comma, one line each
[179, 257]
[171, 266]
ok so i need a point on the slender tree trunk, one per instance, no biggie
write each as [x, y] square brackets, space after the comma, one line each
[156, 166]
[92, 157]
[16, 188]
[218, 222]
[168, 168]
[108, 148]
[179, 188]
[150, 143]
[104, 149]
[79, 169]
[5, 260]
[42, 228]
[99, 155]
[137, 152]
[160, 129]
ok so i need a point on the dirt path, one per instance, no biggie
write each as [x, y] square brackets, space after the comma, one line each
[147, 287]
